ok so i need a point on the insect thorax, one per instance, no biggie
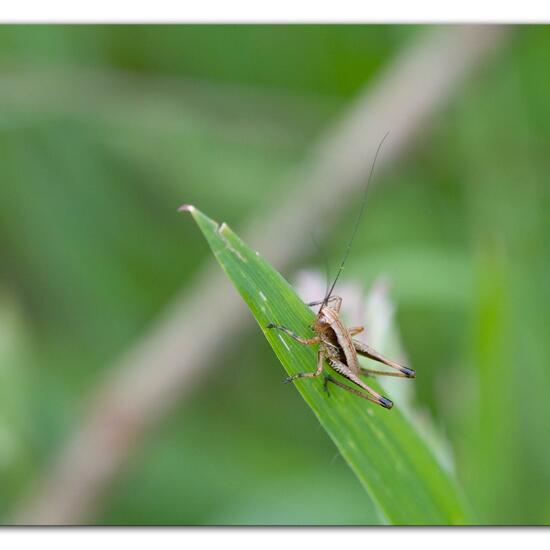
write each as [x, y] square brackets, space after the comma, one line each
[332, 347]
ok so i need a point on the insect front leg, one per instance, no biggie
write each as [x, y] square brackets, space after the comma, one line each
[371, 395]
[304, 341]
[355, 330]
[336, 299]
[318, 371]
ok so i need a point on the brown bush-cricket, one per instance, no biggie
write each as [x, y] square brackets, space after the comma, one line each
[336, 343]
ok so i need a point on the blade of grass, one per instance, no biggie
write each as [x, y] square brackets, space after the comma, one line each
[389, 458]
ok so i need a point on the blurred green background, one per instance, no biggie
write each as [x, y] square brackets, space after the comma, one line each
[105, 130]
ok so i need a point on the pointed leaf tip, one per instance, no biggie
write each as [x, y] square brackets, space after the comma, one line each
[186, 208]
[391, 460]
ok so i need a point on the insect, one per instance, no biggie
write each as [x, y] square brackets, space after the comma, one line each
[337, 345]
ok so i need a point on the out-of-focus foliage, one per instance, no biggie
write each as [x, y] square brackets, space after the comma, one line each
[104, 131]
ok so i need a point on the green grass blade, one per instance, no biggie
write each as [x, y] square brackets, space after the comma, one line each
[392, 462]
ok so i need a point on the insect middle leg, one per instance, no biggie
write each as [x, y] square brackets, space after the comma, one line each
[315, 374]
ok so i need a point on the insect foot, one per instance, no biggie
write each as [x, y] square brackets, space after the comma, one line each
[385, 402]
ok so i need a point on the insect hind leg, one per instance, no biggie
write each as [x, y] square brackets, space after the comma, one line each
[371, 372]
[371, 395]
[366, 351]
[383, 401]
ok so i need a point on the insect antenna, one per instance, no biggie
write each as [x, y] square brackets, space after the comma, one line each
[357, 222]
[322, 253]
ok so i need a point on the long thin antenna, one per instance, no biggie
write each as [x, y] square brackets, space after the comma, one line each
[324, 257]
[357, 221]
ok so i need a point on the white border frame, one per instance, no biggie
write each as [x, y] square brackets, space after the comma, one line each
[272, 11]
